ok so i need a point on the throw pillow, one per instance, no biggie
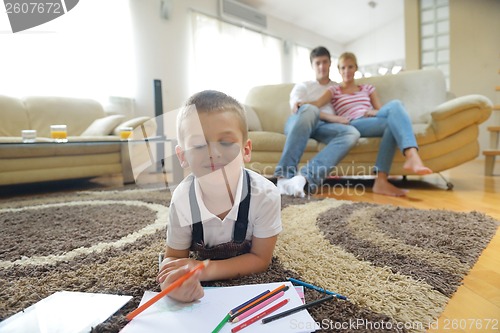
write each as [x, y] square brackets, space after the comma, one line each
[253, 120]
[103, 126]
[131, 123]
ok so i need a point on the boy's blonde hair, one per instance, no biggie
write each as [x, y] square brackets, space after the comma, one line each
[210, 101]
[348, 55]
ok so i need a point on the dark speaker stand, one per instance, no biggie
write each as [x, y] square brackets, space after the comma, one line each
[160, 147]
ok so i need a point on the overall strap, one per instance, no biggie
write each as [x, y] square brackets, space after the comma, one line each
[195, 215]
[241, 224]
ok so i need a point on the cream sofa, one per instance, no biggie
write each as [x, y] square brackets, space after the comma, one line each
[446, 128]
[93, 147]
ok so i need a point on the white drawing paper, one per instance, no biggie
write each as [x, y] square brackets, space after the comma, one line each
[64, 312]
[168, 315]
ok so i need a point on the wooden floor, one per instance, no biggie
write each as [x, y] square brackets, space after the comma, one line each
[476, 304]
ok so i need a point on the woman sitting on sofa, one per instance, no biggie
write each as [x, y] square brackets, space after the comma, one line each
[361, 106]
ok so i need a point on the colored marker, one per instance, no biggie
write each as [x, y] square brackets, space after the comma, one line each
[260, 300]
[248, 302]
[322, 290]
[222, 323]
[260, 316]
[296, 309]
[258, 307]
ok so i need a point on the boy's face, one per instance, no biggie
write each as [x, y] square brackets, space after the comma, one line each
[213, 141]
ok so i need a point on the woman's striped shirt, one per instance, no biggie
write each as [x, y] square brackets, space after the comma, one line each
[352, 106]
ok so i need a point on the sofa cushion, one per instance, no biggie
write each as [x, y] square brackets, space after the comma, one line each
[270, 141]
[76, 113]
[410, 87]
[12, 109]
[253, 120]
[103, 126]
[49, 149]
[270, 103]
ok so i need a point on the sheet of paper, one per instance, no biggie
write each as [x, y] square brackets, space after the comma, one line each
[300, 291]
[204, 315]
[64, 311]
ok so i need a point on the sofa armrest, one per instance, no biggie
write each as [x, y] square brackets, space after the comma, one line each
[459, 113]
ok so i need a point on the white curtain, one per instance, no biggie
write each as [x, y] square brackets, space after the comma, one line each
[86, 52]
[232, 59]
[302, 70]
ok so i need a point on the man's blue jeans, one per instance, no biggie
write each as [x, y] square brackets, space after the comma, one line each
[305, 124]
[393, 124]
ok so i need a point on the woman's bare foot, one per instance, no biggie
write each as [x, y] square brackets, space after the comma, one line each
[383, 186]
[414, 163]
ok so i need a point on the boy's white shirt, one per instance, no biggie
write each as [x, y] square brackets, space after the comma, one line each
[264, 217]
[309, 91]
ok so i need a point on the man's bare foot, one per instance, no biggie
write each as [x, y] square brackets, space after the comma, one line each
[414, 163]
[382, 186]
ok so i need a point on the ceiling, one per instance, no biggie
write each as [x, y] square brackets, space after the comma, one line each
[342, 21]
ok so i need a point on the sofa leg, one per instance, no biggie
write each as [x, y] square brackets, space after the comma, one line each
[449, 185]
[489, 164]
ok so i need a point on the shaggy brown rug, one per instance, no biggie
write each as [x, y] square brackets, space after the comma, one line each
[398, 266]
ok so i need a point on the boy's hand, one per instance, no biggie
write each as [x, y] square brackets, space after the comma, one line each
[191, 289]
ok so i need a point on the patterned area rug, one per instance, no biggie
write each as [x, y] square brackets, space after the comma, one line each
[398, 266]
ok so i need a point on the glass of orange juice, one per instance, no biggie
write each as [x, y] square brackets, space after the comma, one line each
[125, 132]
[59, 133]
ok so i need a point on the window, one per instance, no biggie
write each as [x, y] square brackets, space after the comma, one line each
[435, 36]
[334, 70]
[386, 68]
[301, 70]
[232, 59]
[87, 52]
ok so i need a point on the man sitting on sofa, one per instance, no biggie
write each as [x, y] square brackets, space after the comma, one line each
[308, 121]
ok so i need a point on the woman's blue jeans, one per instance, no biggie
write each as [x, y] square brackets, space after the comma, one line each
[305, 124]
[393, 124]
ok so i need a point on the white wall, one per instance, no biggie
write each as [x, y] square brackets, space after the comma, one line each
[162, 48]
[475, 54]
[474, 51]
[382, 45]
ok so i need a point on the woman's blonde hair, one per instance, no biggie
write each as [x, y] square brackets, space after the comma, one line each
[348, 55]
